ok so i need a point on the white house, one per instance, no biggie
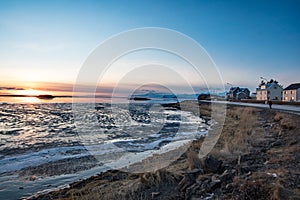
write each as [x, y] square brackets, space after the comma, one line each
[269, 91]
[292, 92]
[238, 93]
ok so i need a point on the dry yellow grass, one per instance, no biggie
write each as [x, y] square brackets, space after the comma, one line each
[240, 126]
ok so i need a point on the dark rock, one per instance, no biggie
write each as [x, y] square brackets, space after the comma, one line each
[215, 184]
[229, 188]
[155, 194]
[276, 143]
[139, 98]
[204, 97]
[293, 142]
[201, 178]
[191, 190]
[186, 182]
[263, 150]
[244, 169]
[212, 164]
[205, 185]
[195, 171]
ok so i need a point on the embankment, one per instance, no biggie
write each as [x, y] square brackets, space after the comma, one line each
[256, 157]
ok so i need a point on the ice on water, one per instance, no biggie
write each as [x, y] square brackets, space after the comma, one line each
[34, 134]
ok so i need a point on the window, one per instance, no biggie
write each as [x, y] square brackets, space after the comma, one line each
[285, 98]
[291, 91]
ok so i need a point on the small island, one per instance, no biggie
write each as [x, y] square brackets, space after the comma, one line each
[140, 99]
[45, 96]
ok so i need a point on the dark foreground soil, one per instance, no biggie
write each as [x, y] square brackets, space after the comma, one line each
[257, 157]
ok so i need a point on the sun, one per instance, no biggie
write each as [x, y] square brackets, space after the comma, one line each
[29, 92]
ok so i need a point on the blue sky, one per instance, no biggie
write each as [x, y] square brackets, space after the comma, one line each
[49, 40]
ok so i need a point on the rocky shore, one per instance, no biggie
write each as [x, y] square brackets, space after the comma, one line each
[256, 157]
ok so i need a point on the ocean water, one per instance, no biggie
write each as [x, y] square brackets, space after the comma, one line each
[45, 146]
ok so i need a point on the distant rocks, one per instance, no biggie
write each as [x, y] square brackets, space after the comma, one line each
[204, 97]
[140, 99]
[152, 95]
[169, 96]
[46, 96]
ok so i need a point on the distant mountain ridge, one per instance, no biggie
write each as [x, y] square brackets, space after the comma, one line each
[164, 95]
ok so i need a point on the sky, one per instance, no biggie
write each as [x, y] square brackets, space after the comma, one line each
[48, 41]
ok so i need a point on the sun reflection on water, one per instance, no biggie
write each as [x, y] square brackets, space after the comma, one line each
[29, 100]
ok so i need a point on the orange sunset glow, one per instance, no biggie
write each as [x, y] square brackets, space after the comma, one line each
[29, 92]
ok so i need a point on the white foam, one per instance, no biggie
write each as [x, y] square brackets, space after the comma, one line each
[17, 162]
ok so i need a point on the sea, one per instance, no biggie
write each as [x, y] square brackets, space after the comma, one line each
[45, 146]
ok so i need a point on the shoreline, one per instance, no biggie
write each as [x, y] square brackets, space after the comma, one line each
[247, 151]
[33, 161]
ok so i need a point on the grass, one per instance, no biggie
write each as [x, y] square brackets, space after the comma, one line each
[237, 133]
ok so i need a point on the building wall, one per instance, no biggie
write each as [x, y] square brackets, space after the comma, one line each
[286, 95]
[290, 95]
[261, 95]
[275, 94]
[298, 94]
